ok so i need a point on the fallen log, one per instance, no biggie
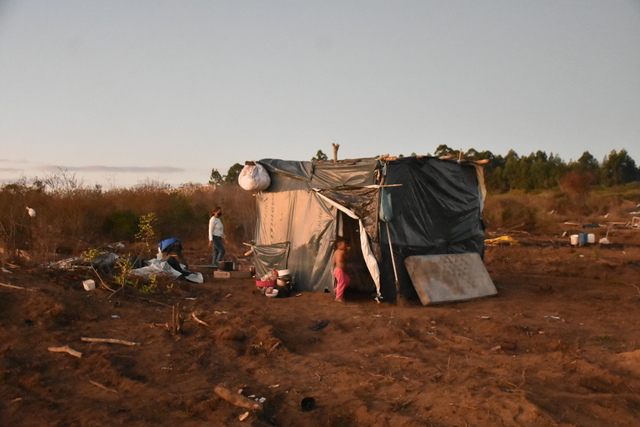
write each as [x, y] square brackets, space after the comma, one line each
[65, 349]
[237, 399]
[110, 341]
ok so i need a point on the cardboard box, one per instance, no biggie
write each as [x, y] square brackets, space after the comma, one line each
[239, 274]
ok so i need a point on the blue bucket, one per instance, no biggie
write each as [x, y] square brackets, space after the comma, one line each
[582, 239]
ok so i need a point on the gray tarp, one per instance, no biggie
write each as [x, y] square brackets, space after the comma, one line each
[437, 207]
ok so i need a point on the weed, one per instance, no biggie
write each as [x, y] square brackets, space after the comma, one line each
[150, 287]
[90, 256]
[124, 267]
[609, 342]
[146, 229]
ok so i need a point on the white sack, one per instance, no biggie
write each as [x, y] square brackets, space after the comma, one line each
[254, 177]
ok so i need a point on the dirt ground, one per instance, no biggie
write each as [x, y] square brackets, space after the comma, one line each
[559, 345]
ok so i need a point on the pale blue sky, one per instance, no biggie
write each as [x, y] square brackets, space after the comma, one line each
[119, 92]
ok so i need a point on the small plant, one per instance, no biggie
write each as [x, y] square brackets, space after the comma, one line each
[90, 256]
[146, 229]
[124, 267]
[169, 288]
[609, 342]
[150, 287]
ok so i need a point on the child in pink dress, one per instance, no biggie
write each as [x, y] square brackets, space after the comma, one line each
[340, 257]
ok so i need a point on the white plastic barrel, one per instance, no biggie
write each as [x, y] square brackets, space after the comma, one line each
[591, 238]
[574, 240]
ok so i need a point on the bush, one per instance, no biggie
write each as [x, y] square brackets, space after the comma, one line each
[70, 221]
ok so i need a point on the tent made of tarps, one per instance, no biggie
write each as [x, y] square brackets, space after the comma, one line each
[429, 206]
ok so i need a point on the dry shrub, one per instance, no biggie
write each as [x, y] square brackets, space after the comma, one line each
[517, 210]
[69, 222]
[577, 186]
[509, 213]
[545, 212]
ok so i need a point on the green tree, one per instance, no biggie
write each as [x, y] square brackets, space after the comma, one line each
[233, 173]
[587, 163]
[215, 177]
[444, 150]
[319, 156]
[510, 172]
[618, 168]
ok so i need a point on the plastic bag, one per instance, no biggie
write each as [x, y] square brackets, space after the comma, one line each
[254, 177]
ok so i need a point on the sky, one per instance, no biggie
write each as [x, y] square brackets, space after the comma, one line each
[119, 92]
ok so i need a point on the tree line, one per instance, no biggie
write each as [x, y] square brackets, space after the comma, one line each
[537, 171]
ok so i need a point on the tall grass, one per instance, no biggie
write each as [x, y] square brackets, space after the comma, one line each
[544, 211]
[71, 221]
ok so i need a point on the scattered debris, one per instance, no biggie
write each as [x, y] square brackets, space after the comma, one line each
[89, 284]
[110, 341]
[97, 384]
[65, 349]
[273, 347]
[237, 399]
[553, 317]
[16, 287]
[163, 325]
[320, 325]
[503, 240]
[244, 416]
[176, 321]
[195, 317]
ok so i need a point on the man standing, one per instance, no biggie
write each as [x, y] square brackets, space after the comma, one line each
[216, 234]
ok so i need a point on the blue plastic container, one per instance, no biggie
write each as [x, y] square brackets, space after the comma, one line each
[582, 239]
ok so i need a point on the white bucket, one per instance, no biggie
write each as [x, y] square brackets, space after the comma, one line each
[89, 285]
[574, 239]
[591, 238]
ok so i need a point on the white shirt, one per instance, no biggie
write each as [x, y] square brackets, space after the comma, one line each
[216, 228]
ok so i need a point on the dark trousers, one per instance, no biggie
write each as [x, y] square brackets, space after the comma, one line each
[218, 250]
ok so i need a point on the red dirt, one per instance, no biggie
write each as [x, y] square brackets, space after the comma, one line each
[558, 346]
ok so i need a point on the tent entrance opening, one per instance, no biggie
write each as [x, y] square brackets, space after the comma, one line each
[361, 280]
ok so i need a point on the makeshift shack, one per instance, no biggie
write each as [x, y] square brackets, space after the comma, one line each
[388, 209]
